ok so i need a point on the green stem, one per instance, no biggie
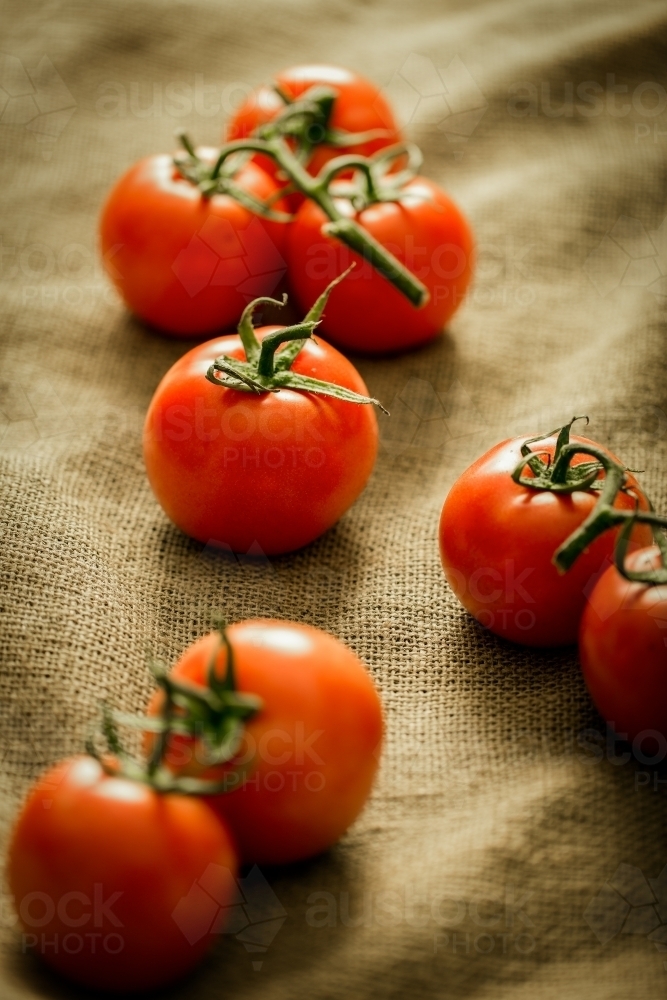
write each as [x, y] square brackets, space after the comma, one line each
[347, 230]
[215, 713]
[159, 747]
[264, 370]
[351, 162]
[246, 330]
[604, 515]
[653, 577]
[562, 477]
[360, 240]
[270, 344]
[614, 473]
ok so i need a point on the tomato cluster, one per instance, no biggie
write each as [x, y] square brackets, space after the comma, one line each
[533, 541]
[261, 747]
[498, 537]
[189, 241]
[314, 186]
[263, 741]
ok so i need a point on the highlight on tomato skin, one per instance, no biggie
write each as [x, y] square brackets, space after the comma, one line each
[308, 758]
[498, 538]
[623, 654]
[187, 264]
[112, 880]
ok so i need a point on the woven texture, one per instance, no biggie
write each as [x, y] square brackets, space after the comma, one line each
[487, 791]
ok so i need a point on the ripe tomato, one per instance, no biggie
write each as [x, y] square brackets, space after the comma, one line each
[102, 871]
[497, 540]
[359, 107]
[427, 233]
[623, 650]
[308, 758]
[274, 470]
[186, 264]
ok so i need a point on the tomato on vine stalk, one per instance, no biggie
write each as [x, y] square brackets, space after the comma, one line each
[623, 646]
[189, 242]
[410, 232]
[260, 439]
[297, 773]
[525, 531]
[360, 121]
[117, 868]
[409, 216]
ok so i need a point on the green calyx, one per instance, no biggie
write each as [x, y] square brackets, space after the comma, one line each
[289, 140]
[556, 473]
[219, 178]
[603, 475]
[653, 577]
[267, 367]
[214, 716]
[306, 121]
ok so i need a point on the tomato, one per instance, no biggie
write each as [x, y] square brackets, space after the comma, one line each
[102, 871]
[308, 758]
[623, 651]
[273, 470]
[183, 263]
[427, 233]
[360, 107]
[497, 540]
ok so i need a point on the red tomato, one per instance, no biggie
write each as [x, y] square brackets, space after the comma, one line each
[497, 540]
[310, 754]
[359, 107]
[110, 878]
[186, 264]
[427, 233]
[623, 650]
[274, 470]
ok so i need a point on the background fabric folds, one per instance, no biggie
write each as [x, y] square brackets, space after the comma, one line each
[508, 851]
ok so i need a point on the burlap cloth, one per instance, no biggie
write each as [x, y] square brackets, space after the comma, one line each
[496, 819]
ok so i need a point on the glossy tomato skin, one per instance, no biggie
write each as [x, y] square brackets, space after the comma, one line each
[623, 652]
[427, 233]
[309, 757]
[102, 872]
[185, 264]
[360, 107]
[241, 470]
[497, 540]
